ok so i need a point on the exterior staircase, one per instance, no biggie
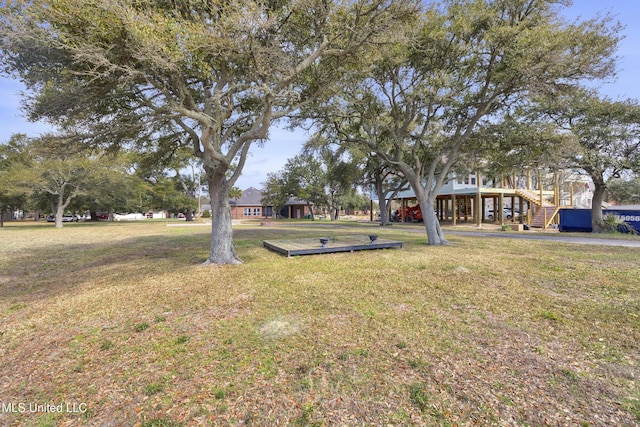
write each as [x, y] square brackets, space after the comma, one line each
[545, 213]
[544, 216]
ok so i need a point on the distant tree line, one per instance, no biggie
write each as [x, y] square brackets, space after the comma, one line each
[47, 175]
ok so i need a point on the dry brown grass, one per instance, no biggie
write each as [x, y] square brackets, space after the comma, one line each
[125, 319]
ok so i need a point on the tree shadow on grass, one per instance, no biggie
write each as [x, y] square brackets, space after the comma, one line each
[60, 269]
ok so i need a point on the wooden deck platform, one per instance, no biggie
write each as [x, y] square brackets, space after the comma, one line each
[311, 246]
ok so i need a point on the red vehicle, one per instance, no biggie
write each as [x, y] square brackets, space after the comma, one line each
[412, 213]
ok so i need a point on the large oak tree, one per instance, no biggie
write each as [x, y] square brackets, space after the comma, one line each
[467, 63]
[605, 137]
[60, 175]
[211, 75]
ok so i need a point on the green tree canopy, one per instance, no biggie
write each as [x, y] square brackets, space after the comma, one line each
[302, 177]
[13, 160]
[167, 193]
[468, 62]
[625, 192]
[59, 173]
[275, 191]
[605, 138]
[212, 76]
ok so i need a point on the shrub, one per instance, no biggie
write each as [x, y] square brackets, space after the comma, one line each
[613, 224]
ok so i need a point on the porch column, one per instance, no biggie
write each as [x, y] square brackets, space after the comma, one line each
[371, 210]
[478, 207]
[454, 209]
[556, 189]
[540, 187]
[466, 209]
[571, 195]
[521, 203]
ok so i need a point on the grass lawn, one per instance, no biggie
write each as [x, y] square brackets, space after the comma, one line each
[120, 324]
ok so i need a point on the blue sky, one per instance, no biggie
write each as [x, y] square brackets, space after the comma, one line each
[284, 144]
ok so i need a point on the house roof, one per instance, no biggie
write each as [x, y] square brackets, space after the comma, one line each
[250, 197]
[253, 197]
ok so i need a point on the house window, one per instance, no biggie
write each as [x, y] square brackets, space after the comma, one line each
[256, 212]
[247, 211]
[473, 180]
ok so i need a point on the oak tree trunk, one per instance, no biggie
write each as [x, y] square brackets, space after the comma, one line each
[313, 218]
[596, 208]
[431, 223]
[382, 203]
[222, 249]
[59, 212]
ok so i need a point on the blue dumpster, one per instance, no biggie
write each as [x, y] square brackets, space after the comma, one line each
[580, 219]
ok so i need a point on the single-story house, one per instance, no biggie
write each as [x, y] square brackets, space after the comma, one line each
[249, 205]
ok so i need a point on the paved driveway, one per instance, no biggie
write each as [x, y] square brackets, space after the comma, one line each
[532, 235]
[551, 238]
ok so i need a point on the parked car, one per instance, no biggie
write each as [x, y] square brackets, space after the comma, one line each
[506, 213]
[70, 218]
[129, 217]
[65, 218]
